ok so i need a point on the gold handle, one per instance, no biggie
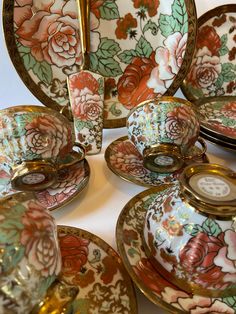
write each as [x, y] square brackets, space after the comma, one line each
[84, 27]
[199, 155]
[76, 157]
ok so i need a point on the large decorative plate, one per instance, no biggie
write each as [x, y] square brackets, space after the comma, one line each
[129, 235]
[218, 117]
[217, 141]
[71, 181]
[125, 161]
[95, 269]
[142, 48]
[213, 69]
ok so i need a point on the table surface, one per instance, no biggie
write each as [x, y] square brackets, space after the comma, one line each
[97, 208]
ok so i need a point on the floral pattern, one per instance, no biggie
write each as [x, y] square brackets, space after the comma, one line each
[30, 255]
[156, 287]
[219, 116]
[86, 99]
[34, 133]
[124, 160]
[93, 266]
[213, 71]
[173, 121]
[47, 41]
[197, 249]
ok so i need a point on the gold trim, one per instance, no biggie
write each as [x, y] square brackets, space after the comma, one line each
[8, 28]
[110, 251]
[217, 11]
[121, 249]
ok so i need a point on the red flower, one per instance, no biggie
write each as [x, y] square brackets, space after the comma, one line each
[208, 37]
[229, 110]
[124, 25]
[109, 86]
[84, 80]
[132, 85]
[151, 6]
[172, 226]
[129, 236]
[197, 257]
[95, 5]
[109, 269]
[226, 131]
[74, 251]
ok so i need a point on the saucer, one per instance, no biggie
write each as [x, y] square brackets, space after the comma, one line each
[95, 269]
[218, 117]
[215, 141]
[71, 181]
[212, 71]
[129, 233]
[125, 161]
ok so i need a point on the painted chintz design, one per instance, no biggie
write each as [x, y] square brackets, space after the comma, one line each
[142, 48]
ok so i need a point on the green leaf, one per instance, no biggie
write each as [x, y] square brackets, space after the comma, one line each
[23, 50]
[82, 124]
[168, 25]
[109, 67]
[101, 86]
[211, 227]
[12, 256]
[143, 48]
[223, 50]
[220, 81]
[132, 252]
[93, 61]
[81, 306]
[229, 76]
[150, 25]
[113, 109]
[107, 48]
[226, 67]
[43, 71]
[10, 231]
[193, 229]
[231, 301]
[28, 60]
[127, 56]
[46, 284]
[179, 11]
[109, 10]
[224, 39]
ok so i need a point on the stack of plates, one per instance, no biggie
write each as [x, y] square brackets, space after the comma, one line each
[218, 120]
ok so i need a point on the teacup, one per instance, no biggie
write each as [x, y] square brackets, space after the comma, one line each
[30, 258]
[36, 141]
[163, 130]
[190, 231]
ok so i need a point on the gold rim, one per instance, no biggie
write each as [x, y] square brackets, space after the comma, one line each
[8, 28]
[227, 8]
[110, 251]
[218, 142]
[121, 249]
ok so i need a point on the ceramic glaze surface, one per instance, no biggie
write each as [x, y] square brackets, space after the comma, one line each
[153, 284]
[190, 246]
[31, 132]
[213, 71]
[30, 257]
[220, 117]
[142, 48]
[163, 121]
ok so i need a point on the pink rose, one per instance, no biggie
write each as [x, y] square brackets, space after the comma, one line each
[40, 240]
[50, 30]
[169, 59]
[48, 137]
[88, 106]
[205, 69]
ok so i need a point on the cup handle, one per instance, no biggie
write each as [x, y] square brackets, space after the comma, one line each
[199, 155]
[76, 157]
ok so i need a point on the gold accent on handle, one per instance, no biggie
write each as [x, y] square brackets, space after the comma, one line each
[84, 28]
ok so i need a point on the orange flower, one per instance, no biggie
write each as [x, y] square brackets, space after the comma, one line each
[110, 269]
[208, 37]
[124, 25]
[151, 6]
[173, 226]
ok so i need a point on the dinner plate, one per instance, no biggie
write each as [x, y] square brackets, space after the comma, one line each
[142, 48]
[213, 140]
[95, 269]
[129, 236]
[125, 161]
[71, 181]
[217, 116]
[213, 68]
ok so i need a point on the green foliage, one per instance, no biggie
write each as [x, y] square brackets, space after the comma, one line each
[211, 227]
[109, 10]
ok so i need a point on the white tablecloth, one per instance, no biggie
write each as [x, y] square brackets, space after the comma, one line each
[99, 205]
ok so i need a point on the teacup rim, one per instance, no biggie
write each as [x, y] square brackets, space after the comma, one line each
[158, 99]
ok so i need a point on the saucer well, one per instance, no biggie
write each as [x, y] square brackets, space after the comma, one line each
[129, 234]
[95, 269]
[124, 160]
[71, 181]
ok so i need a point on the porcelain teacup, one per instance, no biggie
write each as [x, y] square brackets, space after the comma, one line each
[36, 141]
[30, 258]
[190, 231]
[163, 130]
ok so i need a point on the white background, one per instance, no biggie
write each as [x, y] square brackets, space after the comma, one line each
[98, 207]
